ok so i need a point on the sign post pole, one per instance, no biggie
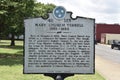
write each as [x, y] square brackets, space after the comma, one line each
[59, 76]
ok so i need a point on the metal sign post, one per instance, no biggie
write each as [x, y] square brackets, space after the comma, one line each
[59, 76]
[59, 46]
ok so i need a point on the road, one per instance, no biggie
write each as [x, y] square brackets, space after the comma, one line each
[107, 62]
[106, 52]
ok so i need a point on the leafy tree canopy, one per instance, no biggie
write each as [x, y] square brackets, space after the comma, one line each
[13, 13]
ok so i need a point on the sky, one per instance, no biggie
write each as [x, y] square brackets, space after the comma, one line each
[103, 11]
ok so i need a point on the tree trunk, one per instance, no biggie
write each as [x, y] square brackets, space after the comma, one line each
[12, 40]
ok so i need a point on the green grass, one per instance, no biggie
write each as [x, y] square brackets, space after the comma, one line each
[96, 76]
[6, 49]
[11, 65]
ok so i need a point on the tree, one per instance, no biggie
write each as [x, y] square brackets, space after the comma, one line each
[42, 9]
[13, 13]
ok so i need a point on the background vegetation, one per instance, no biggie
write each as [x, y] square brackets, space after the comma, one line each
[13, 13]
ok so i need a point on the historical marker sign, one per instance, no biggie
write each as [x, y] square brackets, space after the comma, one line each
[56, 45]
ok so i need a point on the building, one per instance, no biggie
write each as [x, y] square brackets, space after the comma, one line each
[106, 28]
[107, 38]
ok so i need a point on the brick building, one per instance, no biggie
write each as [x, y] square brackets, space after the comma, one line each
[106, 28]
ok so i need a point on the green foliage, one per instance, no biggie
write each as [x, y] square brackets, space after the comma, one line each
[42, 9]
[13, 13]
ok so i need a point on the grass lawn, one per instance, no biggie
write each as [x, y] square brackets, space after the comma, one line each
[11, 65]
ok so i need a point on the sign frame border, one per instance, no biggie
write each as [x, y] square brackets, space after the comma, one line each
[61, 73]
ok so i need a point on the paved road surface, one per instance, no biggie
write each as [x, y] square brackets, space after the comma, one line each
[107, 62]
[106, 52]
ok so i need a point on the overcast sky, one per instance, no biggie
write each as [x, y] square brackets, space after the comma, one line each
[104, 11]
